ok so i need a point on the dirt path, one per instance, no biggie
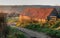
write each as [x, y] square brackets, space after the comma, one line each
[32, 34]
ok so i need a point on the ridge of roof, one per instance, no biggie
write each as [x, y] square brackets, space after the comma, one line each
[40, 13]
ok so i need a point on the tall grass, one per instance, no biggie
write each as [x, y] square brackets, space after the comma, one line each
[14, 33]
[46, 29]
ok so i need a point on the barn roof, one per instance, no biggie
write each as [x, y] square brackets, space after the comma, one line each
[40, 13]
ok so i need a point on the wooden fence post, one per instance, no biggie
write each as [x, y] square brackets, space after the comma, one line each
[3, 25]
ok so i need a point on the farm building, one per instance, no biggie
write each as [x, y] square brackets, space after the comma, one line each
[39, 14]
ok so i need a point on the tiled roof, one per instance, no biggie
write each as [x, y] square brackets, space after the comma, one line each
[40, 13]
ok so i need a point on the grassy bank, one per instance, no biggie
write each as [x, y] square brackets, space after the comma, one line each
[12, 32]
[49, 31]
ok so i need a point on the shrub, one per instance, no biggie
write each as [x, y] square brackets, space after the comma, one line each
[33, 26]
[14, 33]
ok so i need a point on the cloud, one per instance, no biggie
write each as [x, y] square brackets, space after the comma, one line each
[29, 2]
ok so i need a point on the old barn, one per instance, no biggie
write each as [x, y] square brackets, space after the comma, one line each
[39, 14]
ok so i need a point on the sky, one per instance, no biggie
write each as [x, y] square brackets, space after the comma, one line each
[30, 2]
[27, 2]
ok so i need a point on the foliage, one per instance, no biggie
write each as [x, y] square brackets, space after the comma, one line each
[56, 25]
[14, 33]
[33, 26]
[45, 29]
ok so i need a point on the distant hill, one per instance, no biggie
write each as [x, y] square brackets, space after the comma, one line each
[19, 8]
[42, 6]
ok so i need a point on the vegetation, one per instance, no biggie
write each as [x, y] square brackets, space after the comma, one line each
[52, 30]
[46, 29]
[14, 33]
[33, 26]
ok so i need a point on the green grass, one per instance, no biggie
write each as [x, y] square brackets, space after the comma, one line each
[45, 29]
[14, 33]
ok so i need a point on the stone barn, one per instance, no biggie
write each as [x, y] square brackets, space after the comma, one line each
[40, 14]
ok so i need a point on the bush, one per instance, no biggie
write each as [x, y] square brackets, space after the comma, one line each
[33, 26]
[14, 33]
[58, 33]
[45, 29]
[56, 25]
